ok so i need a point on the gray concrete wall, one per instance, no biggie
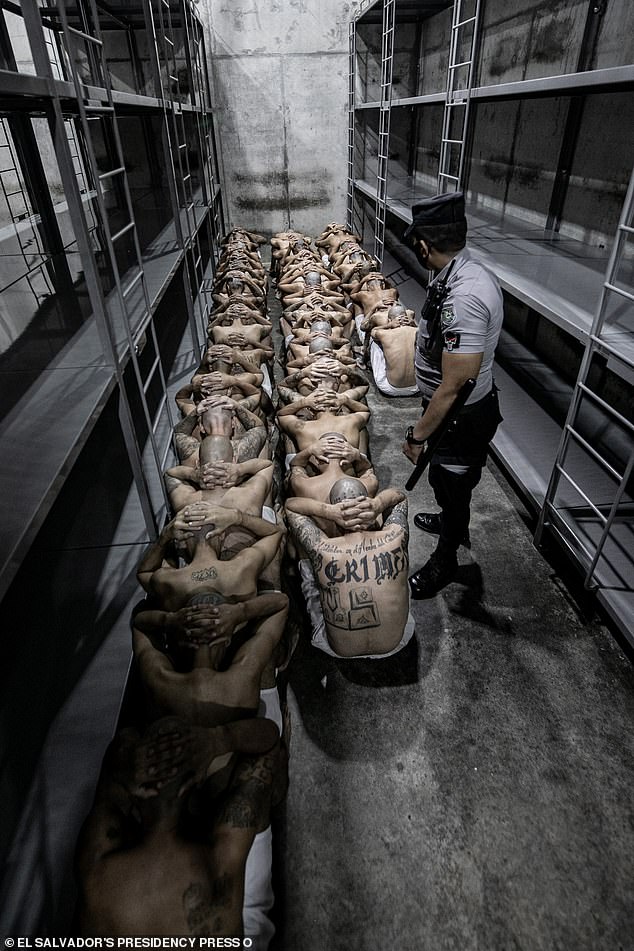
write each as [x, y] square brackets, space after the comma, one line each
[516, 146]
[601, 168]
[435, 53]
[279, 69]
[527, 39]
[615, 46]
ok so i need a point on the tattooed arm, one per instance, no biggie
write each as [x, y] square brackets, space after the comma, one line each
[303, 402]
[184, 398]
[308, 535]
[249, 445]
[175, 531]
[186, 443]
[286, 394]
[243, 412]
[246, 809]
[182, 484]
[294, 379]
[214, 906]
[398, 516]
[313, 508]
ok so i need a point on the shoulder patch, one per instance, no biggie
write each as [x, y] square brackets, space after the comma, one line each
[452, 340]
[447, 316]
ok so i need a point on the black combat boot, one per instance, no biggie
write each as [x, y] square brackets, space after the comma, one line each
[439, 571]
[430, 522]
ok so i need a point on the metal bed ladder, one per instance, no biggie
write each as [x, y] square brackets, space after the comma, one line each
[618, 345]
[204, 131]
[21, 216]
[352, 54]
[175, 138]
[387, 63]
[455, 126]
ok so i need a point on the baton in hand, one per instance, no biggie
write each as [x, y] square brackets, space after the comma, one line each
[423, 460]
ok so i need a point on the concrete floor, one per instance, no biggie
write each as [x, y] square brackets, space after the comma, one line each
[475, 791]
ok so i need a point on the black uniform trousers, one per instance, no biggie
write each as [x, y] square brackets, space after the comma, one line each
[464, 444]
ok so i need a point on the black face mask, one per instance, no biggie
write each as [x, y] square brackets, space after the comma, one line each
[421, 256]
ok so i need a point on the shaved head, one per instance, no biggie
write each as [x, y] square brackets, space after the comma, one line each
[347, 488]
[320, 343]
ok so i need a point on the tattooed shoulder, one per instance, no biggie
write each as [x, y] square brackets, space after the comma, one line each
[398, 516]
[186, 446]
[171, 483]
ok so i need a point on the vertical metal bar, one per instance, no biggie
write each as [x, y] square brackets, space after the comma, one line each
[589, 578]
[457, 99]
[132, 338]
[616, 256]
[387, 58]
[168, 136]
[31, 173]
[414, 125]
[218, 199]
[179, 145]
[470, 81]
[351, 119]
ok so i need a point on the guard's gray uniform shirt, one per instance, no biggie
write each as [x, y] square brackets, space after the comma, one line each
[471, 320]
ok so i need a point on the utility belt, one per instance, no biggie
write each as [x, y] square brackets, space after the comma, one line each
[468, 436]
[468, 407]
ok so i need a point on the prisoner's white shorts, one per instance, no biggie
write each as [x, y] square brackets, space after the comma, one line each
[258, 887]
[268, 514]
[267, 384]
[358, 320]
[258, 892]
[319, 638]
[270, 706]
[379, 371]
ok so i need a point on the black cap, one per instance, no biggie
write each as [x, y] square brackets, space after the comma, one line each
[445, 209]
